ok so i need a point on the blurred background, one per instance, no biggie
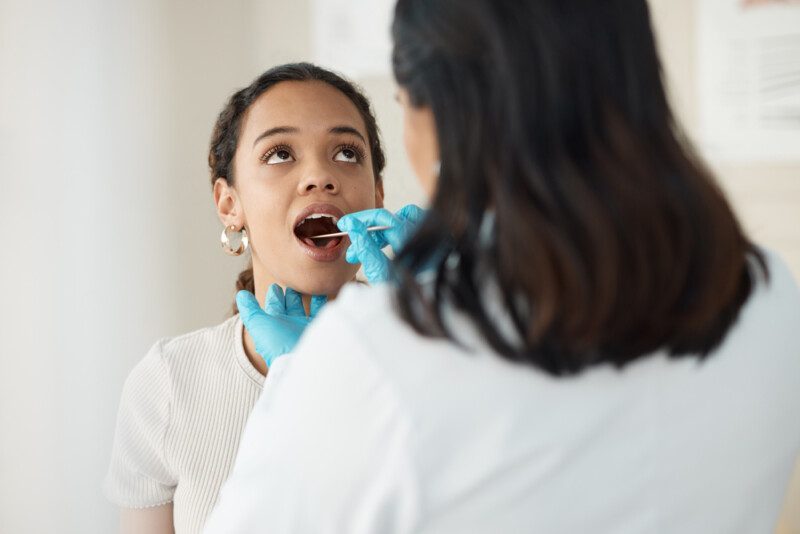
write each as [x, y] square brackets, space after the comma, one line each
[106, 109]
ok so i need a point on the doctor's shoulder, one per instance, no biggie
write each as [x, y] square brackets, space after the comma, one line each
[369, 310]
[774, 305]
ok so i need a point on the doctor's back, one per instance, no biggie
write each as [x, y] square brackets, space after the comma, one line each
[661, 445]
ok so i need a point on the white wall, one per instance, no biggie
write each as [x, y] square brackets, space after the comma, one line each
[111, 239]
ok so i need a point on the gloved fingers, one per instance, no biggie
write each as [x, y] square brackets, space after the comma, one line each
[360, 240]
[247, 303]
[372, 217]
[409, 217]
[401, 224]
[250, 311]
[364, 251]
[410, 213]
[396, 236]
[377, 269]
[317, 302]
[379, 239]
[275, 302]
[294, 303]
[352, 226]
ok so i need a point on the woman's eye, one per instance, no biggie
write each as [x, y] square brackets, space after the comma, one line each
[279, 156]
[347, 154]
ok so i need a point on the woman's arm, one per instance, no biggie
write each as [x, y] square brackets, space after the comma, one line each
[155, 520]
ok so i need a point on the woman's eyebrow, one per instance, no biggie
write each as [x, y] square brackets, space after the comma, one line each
[275, 131]
[348, 130]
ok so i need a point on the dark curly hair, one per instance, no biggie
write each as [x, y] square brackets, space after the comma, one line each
[225, 137]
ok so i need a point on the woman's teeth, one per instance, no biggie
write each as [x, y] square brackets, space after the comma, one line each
[320, 216]
[318, 224]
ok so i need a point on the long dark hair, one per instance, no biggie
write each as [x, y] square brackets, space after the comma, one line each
[611, 239]
[225, 137]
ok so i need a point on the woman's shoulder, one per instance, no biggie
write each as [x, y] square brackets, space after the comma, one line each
[169, 358]
[199, 340]
[198, 345]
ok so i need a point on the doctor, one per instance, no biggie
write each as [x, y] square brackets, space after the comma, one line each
[577, 337]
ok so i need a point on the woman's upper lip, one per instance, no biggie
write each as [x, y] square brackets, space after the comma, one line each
[318, 207]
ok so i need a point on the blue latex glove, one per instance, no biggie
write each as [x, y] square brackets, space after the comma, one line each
[277, 328]
[365, 247]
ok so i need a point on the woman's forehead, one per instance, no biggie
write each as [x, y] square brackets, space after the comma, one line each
[312, 107]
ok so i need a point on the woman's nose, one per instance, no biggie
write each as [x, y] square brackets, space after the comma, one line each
[318, 179]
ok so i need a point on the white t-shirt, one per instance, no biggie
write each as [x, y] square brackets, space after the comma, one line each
[180, 419]
[369, 428]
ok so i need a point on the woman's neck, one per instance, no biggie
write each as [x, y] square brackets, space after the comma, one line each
[261, 282]
[250, 345]
[250, 350]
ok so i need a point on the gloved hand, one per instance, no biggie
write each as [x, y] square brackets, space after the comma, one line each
[277, 328]
[365, 247]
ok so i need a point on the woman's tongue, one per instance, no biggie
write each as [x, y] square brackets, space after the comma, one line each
[327, 242]
[312, 227]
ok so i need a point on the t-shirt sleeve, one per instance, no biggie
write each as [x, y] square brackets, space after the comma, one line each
[139, 475]
[325, 449]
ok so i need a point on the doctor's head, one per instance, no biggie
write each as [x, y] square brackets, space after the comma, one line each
[289, 155]
[543, 136]
[488, 86]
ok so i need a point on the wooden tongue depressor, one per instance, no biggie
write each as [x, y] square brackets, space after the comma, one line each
[340, 234]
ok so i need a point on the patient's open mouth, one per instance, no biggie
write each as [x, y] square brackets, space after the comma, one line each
[318, 224]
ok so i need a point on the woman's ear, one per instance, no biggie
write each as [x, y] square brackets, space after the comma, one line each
[379, 193]
[229, 209]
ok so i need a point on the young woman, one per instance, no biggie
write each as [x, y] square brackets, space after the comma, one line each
[595, 344]
[290, 155]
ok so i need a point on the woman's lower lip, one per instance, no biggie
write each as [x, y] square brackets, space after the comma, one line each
[323, 254]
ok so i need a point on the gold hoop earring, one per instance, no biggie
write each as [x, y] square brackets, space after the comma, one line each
[231, 238]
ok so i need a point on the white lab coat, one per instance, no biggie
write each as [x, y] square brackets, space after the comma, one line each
[369, 428]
